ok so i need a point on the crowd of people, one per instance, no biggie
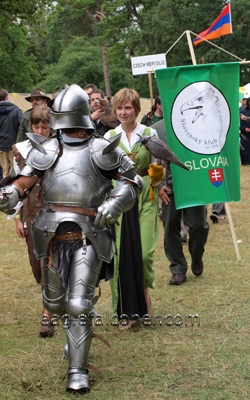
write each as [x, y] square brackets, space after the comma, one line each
[108, 227]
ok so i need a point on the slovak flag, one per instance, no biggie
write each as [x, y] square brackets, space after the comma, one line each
[221, 26]
[216, 176]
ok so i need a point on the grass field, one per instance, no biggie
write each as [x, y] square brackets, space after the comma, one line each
[200, 359]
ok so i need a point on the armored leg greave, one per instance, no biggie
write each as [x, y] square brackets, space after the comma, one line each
[53, 290]
[77, 306]
[79, 337]
[83, 275]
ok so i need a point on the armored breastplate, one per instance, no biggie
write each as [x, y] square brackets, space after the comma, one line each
[74, 180]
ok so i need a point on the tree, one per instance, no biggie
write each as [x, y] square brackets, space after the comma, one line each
[63, 45]
[16, 11]
[18, 71]
[79, 63]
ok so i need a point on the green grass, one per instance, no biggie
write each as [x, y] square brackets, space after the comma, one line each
[210, 361]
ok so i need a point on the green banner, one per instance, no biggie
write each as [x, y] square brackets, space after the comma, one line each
[201, 114]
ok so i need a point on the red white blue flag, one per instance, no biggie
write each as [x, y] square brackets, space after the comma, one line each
[221, 26]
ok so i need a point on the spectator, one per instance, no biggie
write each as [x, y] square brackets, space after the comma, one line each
[10, 119]
[37, 98]
[245, 134]
[101, 114]
[194, 218]
[243, 103]
[89, 87]
[39, 121]
[154, 115]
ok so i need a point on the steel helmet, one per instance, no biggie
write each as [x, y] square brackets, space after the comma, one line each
[71, 109]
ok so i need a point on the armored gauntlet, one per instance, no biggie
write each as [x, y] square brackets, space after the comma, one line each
[121, 199]
[9, 197]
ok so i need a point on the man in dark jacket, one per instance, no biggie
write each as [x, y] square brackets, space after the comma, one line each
[10, 119]
[37, 98]
[193, 217]
[245, 134]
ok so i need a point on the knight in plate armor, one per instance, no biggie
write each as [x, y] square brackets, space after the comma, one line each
[73, 231]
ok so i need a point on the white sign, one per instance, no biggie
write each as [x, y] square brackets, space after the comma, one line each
[247, 90]
[147, 64]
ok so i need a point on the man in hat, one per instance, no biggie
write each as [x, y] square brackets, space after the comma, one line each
[37, 98]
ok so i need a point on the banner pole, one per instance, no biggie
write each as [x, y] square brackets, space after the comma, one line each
[236, 247]
[191, 49]
[150, 88]
[227, 208]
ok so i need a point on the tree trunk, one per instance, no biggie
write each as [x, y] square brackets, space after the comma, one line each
[106, 71]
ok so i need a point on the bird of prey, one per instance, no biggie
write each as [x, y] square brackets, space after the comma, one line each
[160, 150]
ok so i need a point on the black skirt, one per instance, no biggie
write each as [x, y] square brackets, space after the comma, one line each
[131, 300]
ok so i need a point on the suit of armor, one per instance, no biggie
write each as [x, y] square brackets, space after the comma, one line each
[73, 230]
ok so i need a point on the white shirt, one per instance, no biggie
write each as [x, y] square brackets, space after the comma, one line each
[134, 138]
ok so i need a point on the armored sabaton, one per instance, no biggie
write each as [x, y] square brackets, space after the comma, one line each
[74, 181]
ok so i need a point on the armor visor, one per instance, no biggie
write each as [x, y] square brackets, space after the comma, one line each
[71, 110]
[60, 120]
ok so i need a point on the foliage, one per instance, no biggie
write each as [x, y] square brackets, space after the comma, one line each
[128, 28]
[20, 11]
[18, 21]
[79, 63]
[18, 70]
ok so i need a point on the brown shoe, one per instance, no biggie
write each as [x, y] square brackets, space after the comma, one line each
[177, 279]
[197, 268]
[47, 330]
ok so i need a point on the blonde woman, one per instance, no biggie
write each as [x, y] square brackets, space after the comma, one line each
[137, 232]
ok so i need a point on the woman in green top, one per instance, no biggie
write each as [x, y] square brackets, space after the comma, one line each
[137, 232]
